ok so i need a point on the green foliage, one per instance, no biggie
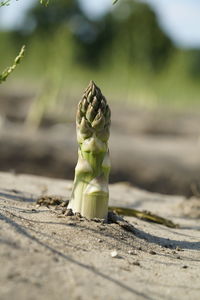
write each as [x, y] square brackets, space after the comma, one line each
[193, 63]
[98, 41]
[125, 51]
[91, 39]
[57, 14]
[144, 43]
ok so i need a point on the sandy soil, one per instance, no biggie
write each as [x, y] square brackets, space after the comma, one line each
[47, 255]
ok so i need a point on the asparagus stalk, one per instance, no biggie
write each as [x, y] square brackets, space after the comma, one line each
[90, 191]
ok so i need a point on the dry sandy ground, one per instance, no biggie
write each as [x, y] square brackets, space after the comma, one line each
[46, 255]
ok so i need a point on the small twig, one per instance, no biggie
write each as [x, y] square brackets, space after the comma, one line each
[144, 215]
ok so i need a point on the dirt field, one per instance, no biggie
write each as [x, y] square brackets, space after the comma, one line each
[47, 255]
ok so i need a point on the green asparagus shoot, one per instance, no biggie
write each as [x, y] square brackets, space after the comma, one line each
[90, 191]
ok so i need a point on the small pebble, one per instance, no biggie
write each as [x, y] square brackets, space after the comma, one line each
[114, 254]
[168, 246]
[178, 257]
[184, 267]
[71, 223]
[136, 263]
[99, 241]
[102, 228]
[97, 220]
[55, 259]
[15, 191]
[179, 249]
[64, 203]
[125, 269]
[64, 211]
[69, 212]
[152, 252]
[77, 214]
[131, 252]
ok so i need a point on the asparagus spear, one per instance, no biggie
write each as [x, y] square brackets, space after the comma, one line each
[90, 191]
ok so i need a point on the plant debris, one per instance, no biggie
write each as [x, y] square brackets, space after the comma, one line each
[52, 200]
[113, 214]
[143, 215]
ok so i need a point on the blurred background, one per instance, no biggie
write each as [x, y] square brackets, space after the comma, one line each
[145, 57]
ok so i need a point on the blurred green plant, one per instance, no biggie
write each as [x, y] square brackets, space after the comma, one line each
[58, 13]
[98, 42]
[54, 73]
[3, 3]
[92, 38]
[9, 70]
[17, 60]
[45, 2]
[7, 2]
[125, 50]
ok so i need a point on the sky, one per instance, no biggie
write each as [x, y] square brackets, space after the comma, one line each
[180, 19]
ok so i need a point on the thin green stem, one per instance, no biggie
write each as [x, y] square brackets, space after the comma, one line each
[9, 70]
